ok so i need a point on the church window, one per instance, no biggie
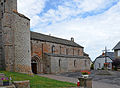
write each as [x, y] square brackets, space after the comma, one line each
[60, 49]
[66, 51]
[73, 51]
[53, 49]
[59, 62]
[85, 62]
[78, 52]
[74, 63]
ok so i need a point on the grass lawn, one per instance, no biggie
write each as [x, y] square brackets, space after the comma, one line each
[37, 81]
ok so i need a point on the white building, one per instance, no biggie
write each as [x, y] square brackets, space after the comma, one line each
[100, 61]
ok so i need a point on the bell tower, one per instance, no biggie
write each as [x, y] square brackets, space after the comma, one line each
[15, 38]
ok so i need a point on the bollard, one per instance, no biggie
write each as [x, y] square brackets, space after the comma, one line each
[78, 83]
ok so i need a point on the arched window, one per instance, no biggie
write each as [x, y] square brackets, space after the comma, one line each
[53, 48]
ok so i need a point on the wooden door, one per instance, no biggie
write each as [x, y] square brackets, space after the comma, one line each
[34, 68]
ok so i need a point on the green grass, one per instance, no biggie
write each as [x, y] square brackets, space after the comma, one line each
[37, 81]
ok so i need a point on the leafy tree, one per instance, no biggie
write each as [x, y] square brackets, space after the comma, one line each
[116, 63]
[92, 67]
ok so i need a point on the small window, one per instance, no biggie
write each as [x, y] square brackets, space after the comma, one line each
[119, 53]
[73, 51]
[53, 49]
[99, 65]
[85, 62]
[74, 63]
[59, 62]
[78, 52]
[66, 51]
[60, 49]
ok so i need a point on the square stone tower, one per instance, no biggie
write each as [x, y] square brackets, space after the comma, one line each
[15, 51]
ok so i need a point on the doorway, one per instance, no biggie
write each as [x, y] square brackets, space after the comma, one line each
[34, 68]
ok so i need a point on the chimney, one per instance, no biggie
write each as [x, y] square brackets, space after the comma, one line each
[72, 39]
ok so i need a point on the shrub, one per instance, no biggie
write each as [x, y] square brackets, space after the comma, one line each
[85, 72]
[92, 67]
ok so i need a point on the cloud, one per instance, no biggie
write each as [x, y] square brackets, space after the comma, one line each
[31, 8]
[93, 23]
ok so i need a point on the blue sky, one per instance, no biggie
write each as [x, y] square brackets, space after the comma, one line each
[93, 23]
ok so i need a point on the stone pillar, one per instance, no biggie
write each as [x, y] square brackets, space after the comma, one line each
[85, 82]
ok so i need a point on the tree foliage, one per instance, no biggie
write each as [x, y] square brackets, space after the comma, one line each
[116, 62]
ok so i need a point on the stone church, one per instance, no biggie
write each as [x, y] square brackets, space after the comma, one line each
[26, 52]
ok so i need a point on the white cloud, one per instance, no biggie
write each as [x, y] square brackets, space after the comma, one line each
[93, 32]
[31, 8]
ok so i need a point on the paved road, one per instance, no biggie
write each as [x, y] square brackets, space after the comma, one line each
[101, 79]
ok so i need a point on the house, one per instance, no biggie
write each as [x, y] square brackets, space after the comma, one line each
[117, 50]
[56, 55]
[101, 60]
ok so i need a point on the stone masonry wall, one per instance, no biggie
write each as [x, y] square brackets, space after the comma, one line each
[21, 27]
[16, 38]
[36, 48]
[1, 62]
[56, 64]
[0, 46]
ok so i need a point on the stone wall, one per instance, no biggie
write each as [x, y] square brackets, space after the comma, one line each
[21, 27]
[60, 64]
[1, 35]
[38, 46]
[15, 38]
[22, 84]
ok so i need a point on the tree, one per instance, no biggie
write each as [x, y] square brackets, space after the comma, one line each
[116, 63]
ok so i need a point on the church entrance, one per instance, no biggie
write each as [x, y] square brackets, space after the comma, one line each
[34, 68]
[36, 65]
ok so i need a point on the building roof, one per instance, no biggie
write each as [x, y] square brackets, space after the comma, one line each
[117, 46]
[48, 38]
[21, 15]
[108, 54]
[67, 56]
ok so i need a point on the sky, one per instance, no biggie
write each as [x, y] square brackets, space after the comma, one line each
[94, 24]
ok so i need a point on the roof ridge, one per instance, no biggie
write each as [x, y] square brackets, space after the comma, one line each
[117, 46]
[53, 37]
